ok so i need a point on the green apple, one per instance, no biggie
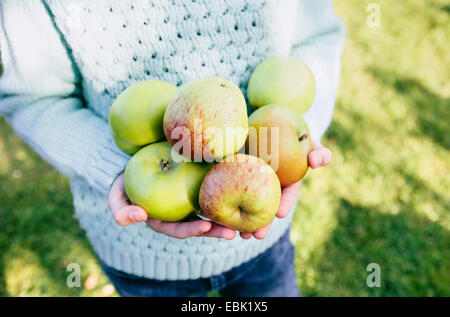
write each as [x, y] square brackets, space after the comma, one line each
[207, 119]
[282, 139]
[124, 145]
[163, 182]
[283, 80]
[136, 115]
[241, 192]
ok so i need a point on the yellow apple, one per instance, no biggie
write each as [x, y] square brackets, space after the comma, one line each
[282, 139]
[283, 80]
[136, 115]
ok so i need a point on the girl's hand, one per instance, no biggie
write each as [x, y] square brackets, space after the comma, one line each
[318, 157]
[125, 214]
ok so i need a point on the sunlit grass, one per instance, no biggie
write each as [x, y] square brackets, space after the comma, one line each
[384, 199]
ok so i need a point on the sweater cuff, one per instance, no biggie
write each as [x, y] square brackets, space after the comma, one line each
[71, 138]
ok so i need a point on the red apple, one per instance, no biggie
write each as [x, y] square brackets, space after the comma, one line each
[207, 119]
[282, 139]
[241, 192]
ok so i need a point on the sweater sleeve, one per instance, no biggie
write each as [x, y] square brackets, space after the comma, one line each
[41, 99]
[318, 41]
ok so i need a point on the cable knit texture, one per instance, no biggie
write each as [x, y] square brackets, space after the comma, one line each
[66, 61]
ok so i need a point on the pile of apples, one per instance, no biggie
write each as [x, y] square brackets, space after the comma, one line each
[195, 150]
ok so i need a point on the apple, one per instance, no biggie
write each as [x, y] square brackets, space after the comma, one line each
[207, 119]
[284, 80]
[282, 139]
[126, 147]
[136, 115]
[241, 192]
[165, 185]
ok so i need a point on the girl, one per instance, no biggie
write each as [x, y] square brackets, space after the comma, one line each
[64, 64]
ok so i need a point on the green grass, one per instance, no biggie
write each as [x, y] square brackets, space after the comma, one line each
[385, 198]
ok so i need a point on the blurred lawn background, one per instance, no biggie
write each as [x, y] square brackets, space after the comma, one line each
[385, 198]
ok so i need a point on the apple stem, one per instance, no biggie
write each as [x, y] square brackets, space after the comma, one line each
[303, 137]
[165, 165]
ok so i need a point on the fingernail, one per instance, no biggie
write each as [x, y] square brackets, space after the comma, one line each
[205, 229]
[136, 216]
[230, 236]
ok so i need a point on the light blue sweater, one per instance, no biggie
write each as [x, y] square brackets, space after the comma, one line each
[65, 61]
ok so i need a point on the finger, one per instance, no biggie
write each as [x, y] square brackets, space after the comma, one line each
[246, 235]
[314, 159]
[320, 157]
[262, 233]
[117, 198]
[218, 231]
[122, 211]
[288, 199]
[291, 189]
[327, 157]
[128, 215]
[180, 230]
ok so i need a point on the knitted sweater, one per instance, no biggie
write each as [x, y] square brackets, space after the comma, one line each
[66, 61]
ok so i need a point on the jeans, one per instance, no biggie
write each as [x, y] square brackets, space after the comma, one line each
[270, 274]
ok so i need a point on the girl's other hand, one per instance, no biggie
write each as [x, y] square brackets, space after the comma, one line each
[318, 157]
